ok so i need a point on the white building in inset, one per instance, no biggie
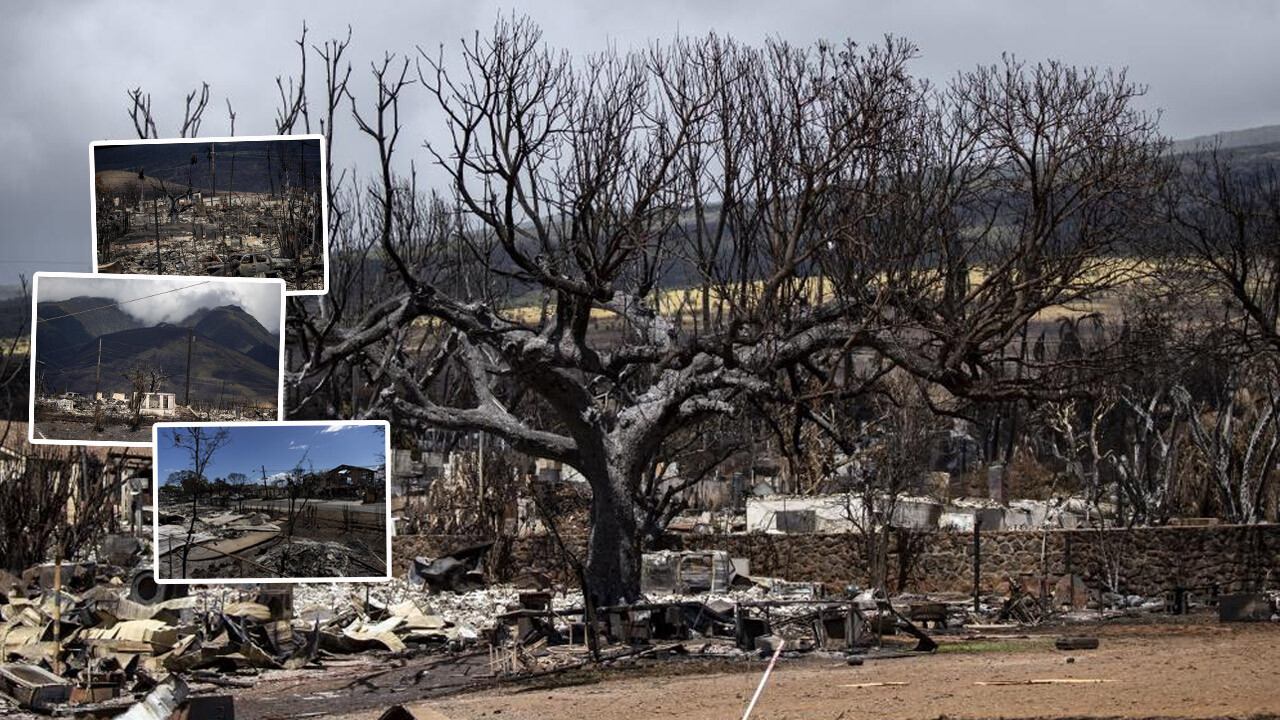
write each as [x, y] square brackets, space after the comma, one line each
[158, 403]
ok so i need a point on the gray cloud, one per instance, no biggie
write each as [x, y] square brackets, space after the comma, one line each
[182, 296]
[1209, 65]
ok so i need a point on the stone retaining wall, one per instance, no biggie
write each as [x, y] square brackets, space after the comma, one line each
[1142, 561]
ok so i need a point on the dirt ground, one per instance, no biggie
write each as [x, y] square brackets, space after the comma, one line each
[1198, 670]
[66, 427]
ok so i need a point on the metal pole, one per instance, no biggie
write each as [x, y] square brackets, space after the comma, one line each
[977, 559]
[97, 378]
[190, 341]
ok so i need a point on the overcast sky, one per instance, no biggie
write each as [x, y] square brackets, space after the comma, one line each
[259, 299]
[1210, 66]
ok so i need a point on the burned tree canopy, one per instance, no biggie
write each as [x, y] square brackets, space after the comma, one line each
[632, 244]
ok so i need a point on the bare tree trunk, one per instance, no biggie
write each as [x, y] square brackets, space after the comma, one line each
[191, 531]
[613, 558]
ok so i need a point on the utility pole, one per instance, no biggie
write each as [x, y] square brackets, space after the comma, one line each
[155, 218]
[191, 340]
[97, 378]
[265, 494]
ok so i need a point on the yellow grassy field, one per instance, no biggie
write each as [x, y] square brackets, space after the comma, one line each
[689, 300]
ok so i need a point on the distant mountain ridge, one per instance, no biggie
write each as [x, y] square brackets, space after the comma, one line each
[1232, 139]
[259, 165]
[66, 324]
[232, 327]
[233, 359]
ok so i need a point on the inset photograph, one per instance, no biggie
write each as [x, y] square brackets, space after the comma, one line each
[224, 207]
[288, 501]
[111, 355]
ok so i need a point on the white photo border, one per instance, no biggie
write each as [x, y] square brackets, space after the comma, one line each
[35, 301]
[155, 503]
[324, 194]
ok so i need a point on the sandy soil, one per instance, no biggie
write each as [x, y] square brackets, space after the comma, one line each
[1202, 670]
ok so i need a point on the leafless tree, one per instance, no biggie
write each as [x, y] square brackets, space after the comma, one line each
[300, 488]
[827, 210]
[1225, 251]
[199, 444]
[886, 458]
[240, 485]
[687, 458]
[1238, 436]
[144, 122]
[53, 500]
[144, 378]
[14, 368]
[576, 181]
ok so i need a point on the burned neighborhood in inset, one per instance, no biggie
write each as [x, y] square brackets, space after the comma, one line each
[287, 501]
[114, 355]
[234, 208]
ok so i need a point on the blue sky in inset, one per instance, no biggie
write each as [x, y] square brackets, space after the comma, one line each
[278, 448]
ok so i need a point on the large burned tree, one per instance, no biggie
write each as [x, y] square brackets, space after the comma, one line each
[632, 245]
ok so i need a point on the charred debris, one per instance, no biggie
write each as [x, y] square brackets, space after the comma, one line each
[100, 638]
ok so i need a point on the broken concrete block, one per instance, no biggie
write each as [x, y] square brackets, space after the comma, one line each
[254, 611]
[768, 644]
[1244, 607]
[1076, 643]
[364, 635]
[133, 636]
[1070, 591]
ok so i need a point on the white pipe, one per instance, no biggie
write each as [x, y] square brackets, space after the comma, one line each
[764, 679]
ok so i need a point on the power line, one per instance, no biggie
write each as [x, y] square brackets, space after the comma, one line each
[123, 302]
[43, 262]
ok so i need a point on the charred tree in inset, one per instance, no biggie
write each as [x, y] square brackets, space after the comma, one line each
[200, 444]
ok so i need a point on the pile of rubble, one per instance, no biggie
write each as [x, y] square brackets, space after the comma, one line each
[111, 411]
[264, 238]
[102, 648]
[220, 543]
[116, 411]
[98, 639]
[213, 253]
[323, 558]
[240, 412]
